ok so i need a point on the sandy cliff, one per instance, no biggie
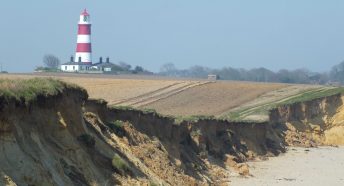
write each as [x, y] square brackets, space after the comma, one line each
[66, 139]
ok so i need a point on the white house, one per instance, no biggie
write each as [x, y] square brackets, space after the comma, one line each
[74, 67]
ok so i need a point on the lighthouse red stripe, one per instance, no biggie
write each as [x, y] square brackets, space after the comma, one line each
[84, 29]
[84, 47]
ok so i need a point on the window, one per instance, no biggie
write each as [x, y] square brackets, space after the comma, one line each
[73, 67]
[65, 67]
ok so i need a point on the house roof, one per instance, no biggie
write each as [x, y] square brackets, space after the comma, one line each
[104, 64]
[76, 63]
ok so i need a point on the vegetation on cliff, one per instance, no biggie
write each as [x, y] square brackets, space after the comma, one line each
[27, 90]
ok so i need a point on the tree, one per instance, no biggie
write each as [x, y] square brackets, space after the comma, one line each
[51, 61]
[337, 72]
[138, 69]
[169, 69]
[125, 66]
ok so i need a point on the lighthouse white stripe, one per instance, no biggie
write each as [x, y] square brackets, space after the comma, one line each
[85, 57]
[84, 39]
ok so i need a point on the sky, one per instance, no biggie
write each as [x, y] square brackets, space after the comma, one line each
[275, 34]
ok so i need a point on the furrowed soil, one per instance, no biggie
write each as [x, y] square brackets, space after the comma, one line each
[212, 99]
[177, 97]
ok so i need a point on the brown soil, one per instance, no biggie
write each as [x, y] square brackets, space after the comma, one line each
[212, 99]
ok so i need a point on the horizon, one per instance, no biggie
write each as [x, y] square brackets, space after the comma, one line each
[273, 35]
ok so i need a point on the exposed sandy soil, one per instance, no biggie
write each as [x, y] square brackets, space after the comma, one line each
[299, 166]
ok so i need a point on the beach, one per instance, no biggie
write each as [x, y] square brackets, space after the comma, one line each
[299, 166]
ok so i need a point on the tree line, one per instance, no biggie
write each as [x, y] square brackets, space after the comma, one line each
[304, 76]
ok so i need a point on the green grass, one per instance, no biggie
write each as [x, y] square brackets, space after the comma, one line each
[119, 164]
[123, 107]
[193, 118]
[27, 90]
[310, 95]
[130, 108]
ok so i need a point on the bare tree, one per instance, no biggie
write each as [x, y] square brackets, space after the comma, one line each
[51, 61]
[168, 69]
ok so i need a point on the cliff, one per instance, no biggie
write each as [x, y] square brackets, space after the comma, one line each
[309, 123]
[52, 134]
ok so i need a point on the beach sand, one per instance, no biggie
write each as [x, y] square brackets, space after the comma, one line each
[299, 166]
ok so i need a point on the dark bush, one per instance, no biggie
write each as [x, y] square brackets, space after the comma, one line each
[117, 127]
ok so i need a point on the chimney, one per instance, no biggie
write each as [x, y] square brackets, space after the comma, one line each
[107, 60]
[79, 60]
[71, 59]
[100, 60]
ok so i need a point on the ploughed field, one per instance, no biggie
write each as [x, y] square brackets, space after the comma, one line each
[185, 97]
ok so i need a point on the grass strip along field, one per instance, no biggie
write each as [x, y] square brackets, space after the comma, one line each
[27, 90]
[260, 112]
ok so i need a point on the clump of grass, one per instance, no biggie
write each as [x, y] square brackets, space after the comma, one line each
[87, 139]
[193, 118]
[151, 183]
[148, 110]
[119, 164]
[123, 107]
[196, 132]
[27, 90]
[117, 127]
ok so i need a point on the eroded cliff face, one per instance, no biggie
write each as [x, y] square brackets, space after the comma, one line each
[203, 150]
[39, 143]
[311, 123]
[67, 139]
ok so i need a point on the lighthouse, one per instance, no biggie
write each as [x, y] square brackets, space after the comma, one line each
[84, 48]
[82, 62]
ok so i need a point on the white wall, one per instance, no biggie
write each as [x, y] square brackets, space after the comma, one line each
[70, 68]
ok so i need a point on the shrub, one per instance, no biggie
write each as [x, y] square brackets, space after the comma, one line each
[119, 164]
[117, 127]
[87, 139]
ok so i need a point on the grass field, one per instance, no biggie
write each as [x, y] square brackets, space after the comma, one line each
[231, 100]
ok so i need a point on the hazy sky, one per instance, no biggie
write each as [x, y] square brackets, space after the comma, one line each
[244, 34]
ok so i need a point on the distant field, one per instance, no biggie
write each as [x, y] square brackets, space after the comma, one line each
[184, 97]
[212, 98]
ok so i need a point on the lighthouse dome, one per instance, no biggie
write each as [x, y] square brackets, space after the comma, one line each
[85, 13]
[85, 18]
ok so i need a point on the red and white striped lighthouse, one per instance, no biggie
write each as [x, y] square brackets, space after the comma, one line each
[84, 49]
